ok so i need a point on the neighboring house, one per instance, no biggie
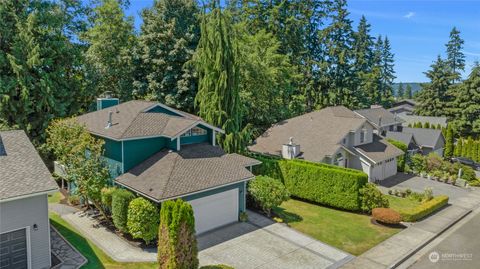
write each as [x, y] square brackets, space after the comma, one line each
[406, 106]
[161, 153]
[406, 138]
[333, 135]
[412, 119]
[24, 186]
[428, 140]
[381, 119]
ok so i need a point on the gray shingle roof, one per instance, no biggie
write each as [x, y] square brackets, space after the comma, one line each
[378, 150]
[169, 174]
[318, 133]
[22, 171]
[406, 138]
[379, 117]
[131, 120]
[425, 137]
[414, 119]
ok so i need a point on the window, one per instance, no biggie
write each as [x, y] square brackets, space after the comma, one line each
[339, 161]
[195, 131]
[363, 134]
[344, 141]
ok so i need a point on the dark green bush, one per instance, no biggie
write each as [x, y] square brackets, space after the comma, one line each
[268, 192]
[120, 200]
[468, 173]
[177, 243]
[400, 159]
[142, 219]
[424, 209]
[106, 197]
[372, 198]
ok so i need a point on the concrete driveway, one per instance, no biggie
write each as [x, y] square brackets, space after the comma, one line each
[418, 184]
[262, 243]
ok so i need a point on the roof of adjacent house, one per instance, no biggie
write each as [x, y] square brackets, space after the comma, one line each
[197, 167]
[378, 150]
[412, 119]
[22, 171]
[405, 138]
[132, 119]
[318, 133]
[425, 137]
[379, 116]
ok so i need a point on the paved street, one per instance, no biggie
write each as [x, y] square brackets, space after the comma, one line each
[459, 249]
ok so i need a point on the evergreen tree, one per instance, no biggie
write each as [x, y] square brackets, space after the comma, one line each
[455, 56]
[388, 74]
[449, 143]
[400, 91]
[408, 92]
[363, 60]
[459, 148]
[475, 156]
[467, 147]
[426, 125]
[218, 97]
[466, 104]
[433, 97]
[169, 35]
[40, 66]
[111, 39]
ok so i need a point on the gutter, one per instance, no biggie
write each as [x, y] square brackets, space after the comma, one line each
[28, 195]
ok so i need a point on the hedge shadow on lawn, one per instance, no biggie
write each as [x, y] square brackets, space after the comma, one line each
[286, 216]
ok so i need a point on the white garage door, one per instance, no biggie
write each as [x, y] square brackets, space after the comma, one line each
[215, 210]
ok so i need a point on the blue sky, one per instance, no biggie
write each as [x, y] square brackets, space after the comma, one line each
[418, 30]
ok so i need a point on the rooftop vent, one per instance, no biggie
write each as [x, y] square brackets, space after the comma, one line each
[290, 150]
[376, 106]
[109, 122]
[3, 152]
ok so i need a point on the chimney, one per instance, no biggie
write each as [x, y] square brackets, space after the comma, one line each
[106, 100]
[376, 106]
[290, 150]
[109, 122]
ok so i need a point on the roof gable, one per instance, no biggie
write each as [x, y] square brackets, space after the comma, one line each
[379, 116]
[425, 137]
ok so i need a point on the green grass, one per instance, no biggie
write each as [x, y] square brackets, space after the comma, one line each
[96, 257]
[55, 197]
[398, 203]
[351, 232]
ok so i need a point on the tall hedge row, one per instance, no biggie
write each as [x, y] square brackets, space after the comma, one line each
[120, 200]
[317, 182]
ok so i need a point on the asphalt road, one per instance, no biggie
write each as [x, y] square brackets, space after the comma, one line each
[459, 249]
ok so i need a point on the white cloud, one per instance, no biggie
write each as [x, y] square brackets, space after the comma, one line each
[471, 53]
[409, 15]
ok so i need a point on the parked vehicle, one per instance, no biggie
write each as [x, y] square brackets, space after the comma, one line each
[466, 161]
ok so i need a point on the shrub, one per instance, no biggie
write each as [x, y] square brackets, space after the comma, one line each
[142, 219]
[390, 192]
[324, 184]
[424, 209]
[415, 196]
[372, 198]
[74, 199]
[434, 162]
[268, 192]
[106, 197]
[400, 159]
[427, 194]
[177, 243]
[468, 173]
[386, 215]
[418, 163]
[120, 200]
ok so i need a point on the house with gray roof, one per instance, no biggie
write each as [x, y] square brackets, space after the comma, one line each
[428, 140]
[406, 106]
[410, 120]
[25, 183]
[333, 135]
[406, 138]
[381, 119]
[162, 153]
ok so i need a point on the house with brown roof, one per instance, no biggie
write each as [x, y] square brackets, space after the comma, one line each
[333, 135]
[162, 153]
[25, 183]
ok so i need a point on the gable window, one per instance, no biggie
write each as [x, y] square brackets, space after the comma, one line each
[339, 160]
[195, 131]
[363, 133]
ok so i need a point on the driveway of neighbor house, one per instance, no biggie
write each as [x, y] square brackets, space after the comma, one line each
[262, 243]
[418, 184]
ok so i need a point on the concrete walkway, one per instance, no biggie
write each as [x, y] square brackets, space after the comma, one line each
[393, 251]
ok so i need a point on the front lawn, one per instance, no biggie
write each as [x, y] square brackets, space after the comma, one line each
[55, 198]
[351, 232]
[398, 204]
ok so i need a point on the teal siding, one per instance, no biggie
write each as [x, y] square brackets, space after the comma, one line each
[137, 151]
[194, 139]
[112, 149]
[105, 103]
[172, 144]
[241, 194]
[159, 109]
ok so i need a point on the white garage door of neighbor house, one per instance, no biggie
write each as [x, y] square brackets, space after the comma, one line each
[215, 210]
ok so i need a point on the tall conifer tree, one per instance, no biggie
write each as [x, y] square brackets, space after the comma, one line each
[455, 56]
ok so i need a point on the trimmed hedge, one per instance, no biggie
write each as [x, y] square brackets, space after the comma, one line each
[424, 209]
[268, 192]
[106, 197]
[316, 182]
[120, 200]
[143, 219]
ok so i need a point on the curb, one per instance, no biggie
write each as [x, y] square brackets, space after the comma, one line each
[428, 241]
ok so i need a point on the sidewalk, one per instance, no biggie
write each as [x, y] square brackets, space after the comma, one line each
[395, 250]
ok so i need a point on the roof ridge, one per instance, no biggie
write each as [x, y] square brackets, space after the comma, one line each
[171, 170]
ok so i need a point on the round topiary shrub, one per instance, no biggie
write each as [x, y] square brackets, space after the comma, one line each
[386, 215]
[120, 200]
[143, 219]
[268, 192]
